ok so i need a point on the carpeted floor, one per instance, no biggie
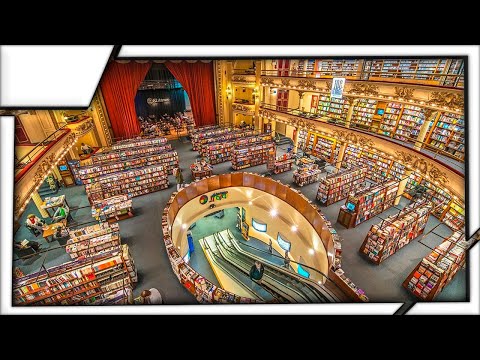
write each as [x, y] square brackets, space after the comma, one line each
[143, 234]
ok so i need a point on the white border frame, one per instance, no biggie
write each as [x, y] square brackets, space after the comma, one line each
[49, 70]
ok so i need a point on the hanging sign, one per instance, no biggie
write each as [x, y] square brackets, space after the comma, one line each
[216, 196]
[337, 88]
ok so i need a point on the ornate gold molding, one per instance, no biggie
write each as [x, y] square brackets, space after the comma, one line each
[268, 81]
[445, 98]
[243, 108]
[349, 136]
[307, 84]
[285, 82]
[422, 166]
[404, 92]
[360, 88]
[220, 97]
[103, 120]
[83, 128]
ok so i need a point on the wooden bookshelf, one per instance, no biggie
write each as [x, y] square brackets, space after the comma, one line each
[333, 108]
[102, 279]
[200, 170]
[227, 138]
[282, 163]
[389, 121]
[379, 166]
[336, 187]
[363, 113]
[306, 175]
[128, 153]
[117, 207]
[448, 134]
[135, 182]
[138, 142]
[168, 159]
[454, 215]
[437, 269]
[409, 123]
[396, 231]
[251, 155]
[197, 137]
[368, 203]
[326, 148]
[88, 241]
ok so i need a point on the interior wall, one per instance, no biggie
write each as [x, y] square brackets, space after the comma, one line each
[281, 128]
[293, 99]
[262, 203]
[243, 93]
[237, 119]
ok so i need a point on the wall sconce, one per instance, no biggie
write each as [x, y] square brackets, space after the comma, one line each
[228, 91]
[255, 94]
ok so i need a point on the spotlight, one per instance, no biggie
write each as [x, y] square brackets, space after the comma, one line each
[250, 202]
[311, 251]
[294, 228]
[273, 212]
[184, 226]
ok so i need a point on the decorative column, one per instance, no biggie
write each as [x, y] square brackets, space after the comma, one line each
[402, 185]
[38, 202]
[295, 139]
[300, 101]
[258, 75]
[351, 103]
[229, 91]
[423, 129]
[340, 156]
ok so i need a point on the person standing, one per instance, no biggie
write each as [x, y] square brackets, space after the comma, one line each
[151, 297]
[179, 178]
[270, 248]
[286, 260]
[256, 272]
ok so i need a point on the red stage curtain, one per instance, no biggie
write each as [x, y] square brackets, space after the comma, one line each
[119, 86]
[197, 80]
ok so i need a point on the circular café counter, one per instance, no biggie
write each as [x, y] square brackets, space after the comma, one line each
[285, 210]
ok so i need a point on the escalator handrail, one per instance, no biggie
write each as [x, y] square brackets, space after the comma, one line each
[207, 248]
[300, 277]
[278, 290]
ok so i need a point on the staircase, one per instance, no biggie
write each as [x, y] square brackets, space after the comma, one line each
[45, 190]
[283, 140]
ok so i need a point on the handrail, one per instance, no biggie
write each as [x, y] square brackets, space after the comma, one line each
[42, 144]
[341, 122]
[360, 74]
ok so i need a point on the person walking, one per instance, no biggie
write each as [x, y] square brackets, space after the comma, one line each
[286, 260]
[270, 248]
[179, 177]
[256, 272]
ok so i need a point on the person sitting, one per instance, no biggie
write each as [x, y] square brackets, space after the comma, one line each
[86, 149]
[25, 244]
[152, 297]
[62, 212]
[60, 233]
[34, 224]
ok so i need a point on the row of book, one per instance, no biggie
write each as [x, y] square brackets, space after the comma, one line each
[129, 153]
[338, 186]
[138, 142]
[253, 155]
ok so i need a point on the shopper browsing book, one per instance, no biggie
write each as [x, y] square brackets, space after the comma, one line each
[152, 297]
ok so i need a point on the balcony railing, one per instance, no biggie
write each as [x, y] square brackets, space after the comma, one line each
[415, 77]
[452, 161]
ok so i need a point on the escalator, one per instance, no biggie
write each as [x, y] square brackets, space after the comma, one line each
[289, 285]
[241, 280]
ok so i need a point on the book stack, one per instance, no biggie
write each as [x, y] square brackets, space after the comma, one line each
[114, 207]
[201, 169]
[168, 159]
[283, 163]
[336, 187]
[133, 182]
[396, 231]
[139, 142]
[437, 269]
[409, 124]
[306, 175]
[92, 240]
[252, 155]
[102, 279]
[128, 153]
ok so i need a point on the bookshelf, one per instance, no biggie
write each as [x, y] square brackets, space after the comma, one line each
[385, 239]
[125, 154]
[409, 124]
[368, 203]
[251, 155]
[436, 270]
[168, 159]
[197, 137]
[448, 134]
[134, 182]
[201, 169]
[221, 151]
[379, 166]
[337, 67]
[326, 148]
[332, 108]
[283, 163]
[336, 187]
[363, 112]
[454, 216]
[139, 142]
[228, 138]
[397, 171]
[306, 175]
[117, 207]
[94, 239]
[302, 139]
[393, 112]
[102, 279]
